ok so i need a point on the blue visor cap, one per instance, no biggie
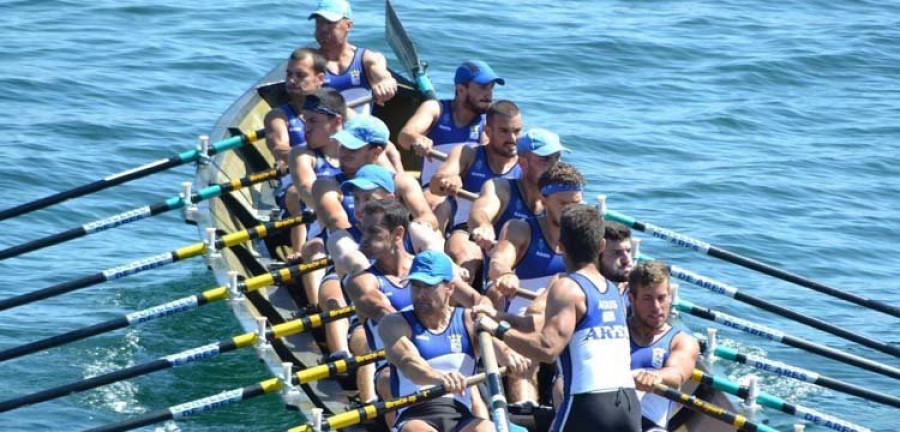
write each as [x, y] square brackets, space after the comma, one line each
[333, 10]
[362, 130]
[478, 71]
[369, 178]
[431, 268]
[540, 142]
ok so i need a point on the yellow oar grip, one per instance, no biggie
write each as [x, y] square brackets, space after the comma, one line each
[251, 136]
[348, 418]
[238, 237]
[697, 375]
[244, 340]
[270, 385]
[314, 373]
[258, 282]
[191, 251]
[215, 294]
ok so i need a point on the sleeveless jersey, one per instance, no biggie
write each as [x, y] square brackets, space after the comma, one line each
[296, 126]
[597, 357]
[448, 350]
[536, 268]
[516, 208]
[353, 84]
[479, 172]
[445, 135]
[398, 295]
[654, 357]
[323, 169]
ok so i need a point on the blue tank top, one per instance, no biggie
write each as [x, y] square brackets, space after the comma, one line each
[479, 172]
[353, 83]
[296, 126]
[516, 208]
[348, 203]
[449, 350]
[654, 357]
[597, 357]
[399, 297]
[445, 135]
[536, 268]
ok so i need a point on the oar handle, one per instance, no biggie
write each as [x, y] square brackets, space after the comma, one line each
[496, 398]
[441, 156]
[703, 407]
[328, 370]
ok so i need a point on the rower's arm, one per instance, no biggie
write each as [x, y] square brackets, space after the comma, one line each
[681, 362]
[458, 160]
[486, 208]
[400, 351]
[393, 156]
[384, 86]
[369, 301]
[559, 324]
[277, 138]
[344, 251]
[419, 125]
[302, 173]
[410, 193]
[327, 198]
[514, 239]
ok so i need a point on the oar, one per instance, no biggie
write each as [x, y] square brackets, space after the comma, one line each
[730, 291]
[196, 407]
[137, 214]
[805, 375]
[779, 336]
[134, 173]
[738, 421]
[151, 263]
[289, 328]
[176, 306]
[374, 410]
[496, 398]
[713, 251]
[469, 195]
[204, 405]
[405, 51]
[777, 403]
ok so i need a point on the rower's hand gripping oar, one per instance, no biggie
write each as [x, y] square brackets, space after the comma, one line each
[136, 173]
[245, 340]
[176, 306]
[374, 410]
[154, 262]
[713, 251]
[738, 421]
[139, 213]
[462, 193]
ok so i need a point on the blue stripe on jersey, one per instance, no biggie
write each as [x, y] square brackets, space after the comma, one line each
[354, 76]
[296, 125]
[539, 260]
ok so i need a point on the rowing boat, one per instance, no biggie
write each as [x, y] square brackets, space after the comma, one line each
[253, 205]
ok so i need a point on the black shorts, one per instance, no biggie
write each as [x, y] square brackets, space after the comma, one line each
[614, 411]
[443, 414]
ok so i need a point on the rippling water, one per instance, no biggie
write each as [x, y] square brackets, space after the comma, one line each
[770, 129]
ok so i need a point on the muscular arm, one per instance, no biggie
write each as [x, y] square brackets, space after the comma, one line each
[401, 352]
[458, 161]
[384, 86]
[348, 260]
[393, 157]
[302, 173]
[681, 362]
[277, 137]
[420, 124]
[489, 203]
[564, 302]
[514, 240]
[327, 199]
[369, 301]
[411, 195]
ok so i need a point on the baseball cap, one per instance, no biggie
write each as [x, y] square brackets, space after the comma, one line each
[370, 177]
[431, 268]
[478, 71]
[362, 130]
[540, 142]
[332, 10]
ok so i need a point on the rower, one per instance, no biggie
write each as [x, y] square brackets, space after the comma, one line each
[468, 168]
[528, 256]
[585, 328]
[616, 260]
[355, 72]
[433, 343]
[503, 199]
[448, 123]
[660, 353]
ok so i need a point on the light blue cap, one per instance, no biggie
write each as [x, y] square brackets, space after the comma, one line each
[478, 71]
[368, 178]
[362, 130]
[431, 268]
[540, 142]
[333, 10]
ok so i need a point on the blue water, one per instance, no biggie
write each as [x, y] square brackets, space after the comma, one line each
[768, 128]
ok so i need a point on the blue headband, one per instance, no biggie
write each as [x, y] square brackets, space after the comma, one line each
[553, 188]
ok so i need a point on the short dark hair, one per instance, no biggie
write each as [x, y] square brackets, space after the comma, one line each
[561, 173]
[616, 231]
[581, 234]
[318, 60]
[328, 98]
[392, 213]
[503, 108]
[647, 273]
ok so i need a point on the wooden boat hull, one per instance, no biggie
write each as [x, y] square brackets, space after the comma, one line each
[246, 208]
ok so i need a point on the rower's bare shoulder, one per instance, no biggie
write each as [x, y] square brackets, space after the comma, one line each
[517, 232]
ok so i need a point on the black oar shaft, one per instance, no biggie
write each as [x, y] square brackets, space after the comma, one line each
[779, 336]
[708, 249]
[131, 174]
[52, 291]
[692, 402]
[195, 407]
[730, 291]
